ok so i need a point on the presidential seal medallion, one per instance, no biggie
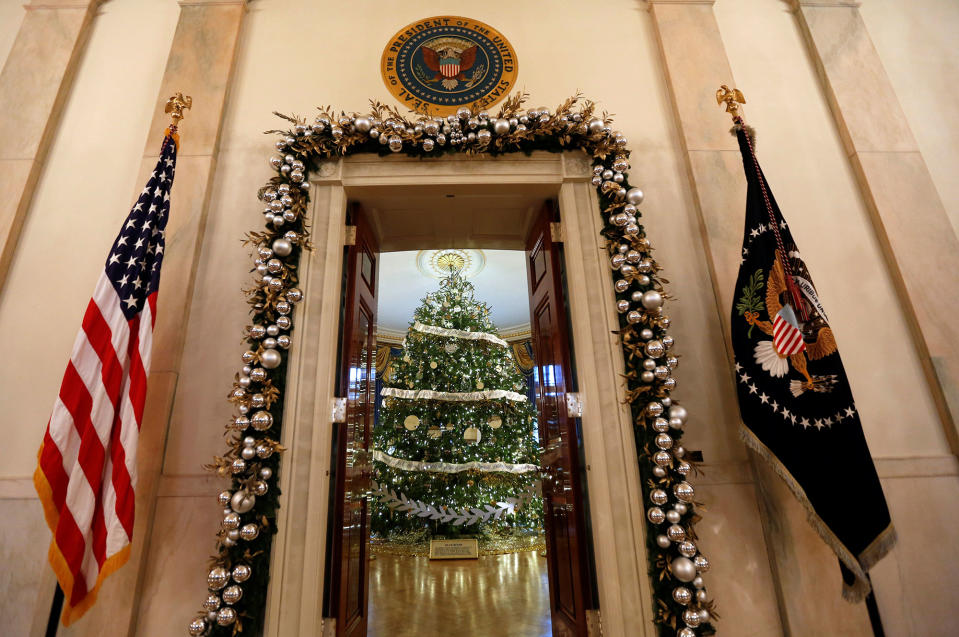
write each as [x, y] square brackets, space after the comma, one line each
[439, 64]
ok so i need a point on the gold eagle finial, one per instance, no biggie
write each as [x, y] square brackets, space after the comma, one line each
[175, 106]
[733, 97]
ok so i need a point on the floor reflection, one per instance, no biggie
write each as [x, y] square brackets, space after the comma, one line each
[495, 595]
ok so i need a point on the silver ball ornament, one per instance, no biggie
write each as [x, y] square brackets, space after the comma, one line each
[395, 143]
[655, 515]
[241, 573]
[223, 498]
[232, 594]
[659, 472]
[654, 349]
[683, 491]
[231, 520]
[652, 299]
[634, 196]
[634, 317]
[682, 595]
[249, 532]
[687, 549]
[683, 569]
[266, 473]
[698, 581]
[217, 578]
[262, 420]
[662, 459]
[702, 564]
[242, 502]
[660, 425]
[282, 247]
[673, 517]
[238, 465]
[225, 616]
[283, 341]
[676, 533]
[662, 541]
[270, 359]
[258, 374]
[197, 626]
[260, 488]
[701, 595]
[663, 441]
[658, 497]
[685, 631]
[647, 377]
[283, 322]
[212, 602]
[654, 408]
[264, 450]
[363, 124]
[247, 453]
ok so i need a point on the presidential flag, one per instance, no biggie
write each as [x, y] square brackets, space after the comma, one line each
[796, 405]
[86, 472]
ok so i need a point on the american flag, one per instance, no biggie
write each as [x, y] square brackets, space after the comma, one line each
[86, 471]
[787, 337]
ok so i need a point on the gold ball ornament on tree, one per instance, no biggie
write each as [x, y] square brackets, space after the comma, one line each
[479, 384]
[197, 627]
[411, 422]
[434, 432]
[232, 594]
[433, 365]
[472, 434]
[495, 422]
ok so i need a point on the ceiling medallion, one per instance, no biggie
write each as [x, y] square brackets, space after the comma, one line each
[438, 263]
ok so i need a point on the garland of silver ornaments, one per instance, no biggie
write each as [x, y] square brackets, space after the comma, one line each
[398, 501]
[239, 570]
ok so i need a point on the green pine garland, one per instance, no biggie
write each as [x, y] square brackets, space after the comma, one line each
[258, 390]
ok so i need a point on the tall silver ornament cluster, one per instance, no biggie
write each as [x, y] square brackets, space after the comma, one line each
[640, 299]
[254, 390]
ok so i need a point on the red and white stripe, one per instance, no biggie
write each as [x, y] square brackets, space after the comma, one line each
[87, 463]
[450, 70]
[787, 337]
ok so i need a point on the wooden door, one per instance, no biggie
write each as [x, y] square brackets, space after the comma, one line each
[564, 520]
[350, 532]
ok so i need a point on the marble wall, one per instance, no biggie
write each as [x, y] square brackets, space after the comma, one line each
[293, 55]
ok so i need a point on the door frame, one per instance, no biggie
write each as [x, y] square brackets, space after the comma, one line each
[616, 510]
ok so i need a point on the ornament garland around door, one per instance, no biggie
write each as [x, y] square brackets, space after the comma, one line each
[239, 570]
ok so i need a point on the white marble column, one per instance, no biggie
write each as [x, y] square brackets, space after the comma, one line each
[200, 64]
[917, 238]
[34, 83]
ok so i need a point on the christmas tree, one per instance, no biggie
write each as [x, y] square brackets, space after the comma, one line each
[455, 448]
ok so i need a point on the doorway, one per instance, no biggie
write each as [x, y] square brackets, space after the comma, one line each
[301, 564]
[559, 456]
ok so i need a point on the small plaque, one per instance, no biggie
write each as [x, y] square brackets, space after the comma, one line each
[454, 549]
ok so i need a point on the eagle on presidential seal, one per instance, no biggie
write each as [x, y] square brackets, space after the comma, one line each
[795, 344]
[449, 59]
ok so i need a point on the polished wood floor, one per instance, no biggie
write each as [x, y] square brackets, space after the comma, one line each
[496, 595]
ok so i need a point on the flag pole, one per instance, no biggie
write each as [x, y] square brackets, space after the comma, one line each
[175, 106]
[733, 98]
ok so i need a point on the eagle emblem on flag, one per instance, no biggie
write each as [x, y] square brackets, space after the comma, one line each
[794, 344]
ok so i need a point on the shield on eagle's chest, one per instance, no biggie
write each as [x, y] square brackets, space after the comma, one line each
[450, 67]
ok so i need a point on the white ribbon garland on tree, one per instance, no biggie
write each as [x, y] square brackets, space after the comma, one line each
[398, 501]
[450, 467]
[453, 396]
[469, 336]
